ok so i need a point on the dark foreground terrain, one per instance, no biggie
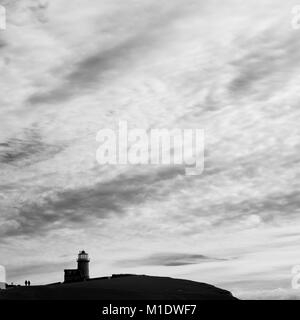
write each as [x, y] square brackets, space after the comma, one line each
[132, 287]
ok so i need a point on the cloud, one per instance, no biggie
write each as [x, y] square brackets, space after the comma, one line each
[93, 70]
[273, 294]
[265, 65]
[168, 259]
[42, 268]
[75, 208]
[27, 150]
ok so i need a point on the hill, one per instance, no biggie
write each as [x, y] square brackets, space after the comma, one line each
[129, 287]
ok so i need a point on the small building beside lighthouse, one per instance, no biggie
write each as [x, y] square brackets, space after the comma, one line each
[82, 271]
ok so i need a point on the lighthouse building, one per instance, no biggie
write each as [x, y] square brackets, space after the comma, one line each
[82, 271]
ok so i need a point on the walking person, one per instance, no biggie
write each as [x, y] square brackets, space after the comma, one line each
[26, 283]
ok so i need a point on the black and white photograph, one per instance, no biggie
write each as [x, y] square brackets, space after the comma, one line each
[149, 150]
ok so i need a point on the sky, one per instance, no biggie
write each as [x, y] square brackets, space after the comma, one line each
[71, 68]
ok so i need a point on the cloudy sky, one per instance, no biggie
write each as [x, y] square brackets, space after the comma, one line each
[71, 68]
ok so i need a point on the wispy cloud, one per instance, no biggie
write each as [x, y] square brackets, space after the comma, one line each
[168, 259]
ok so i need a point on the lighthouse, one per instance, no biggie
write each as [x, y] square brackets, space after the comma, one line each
[83, 264]
[82, 272]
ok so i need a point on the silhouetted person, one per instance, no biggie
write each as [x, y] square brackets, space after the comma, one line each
[26, 283]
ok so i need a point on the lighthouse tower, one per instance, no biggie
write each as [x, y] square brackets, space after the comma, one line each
[83, 264]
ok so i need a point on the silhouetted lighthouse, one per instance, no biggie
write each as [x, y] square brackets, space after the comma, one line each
[82, 271]
[83, 264]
